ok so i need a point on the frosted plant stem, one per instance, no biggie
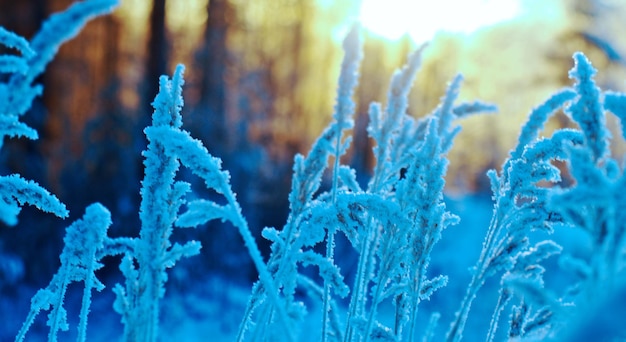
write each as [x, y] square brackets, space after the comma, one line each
[330, 243]
[268, 316]
[397, 327]
[372, 315]
[264, 274]
[355, 294]
[247, 316]
[344, 109]
[503, 299]
[457, 327]
[478, 279]
[456, 330]
[84, 310]
[311, 286]
[54, 325]
[330, 255]
[492, 232]
[30, 319]
[260, 287]
[359, 283]
[414, 308]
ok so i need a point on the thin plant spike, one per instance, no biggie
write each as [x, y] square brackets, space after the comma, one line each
[587, 110]
[169, 147]
[59, 28]
[82, 241]
[397, 103]
[161, 198]
[16, 191]
[344, 110]
[503, 241]
[10, 127]
[195, 156]
[12, 40]
[13, 64]
[538, 117]
[383, 127]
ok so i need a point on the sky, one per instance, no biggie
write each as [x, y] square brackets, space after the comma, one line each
[421, 19]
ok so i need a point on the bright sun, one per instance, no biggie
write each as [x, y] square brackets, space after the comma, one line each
[421, 19]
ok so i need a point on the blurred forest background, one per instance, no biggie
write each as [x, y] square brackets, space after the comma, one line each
[260, 86]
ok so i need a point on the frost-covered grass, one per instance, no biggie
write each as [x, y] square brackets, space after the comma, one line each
[212, 307]
[382, 261]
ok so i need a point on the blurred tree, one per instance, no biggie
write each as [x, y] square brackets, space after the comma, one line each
[213, 56]
[157, 57]
[74, 81]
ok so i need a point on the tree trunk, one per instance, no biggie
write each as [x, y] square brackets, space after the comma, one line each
[214, 59]
[156, 57]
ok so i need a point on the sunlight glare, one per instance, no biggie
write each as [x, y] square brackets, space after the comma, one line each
[421, 19]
